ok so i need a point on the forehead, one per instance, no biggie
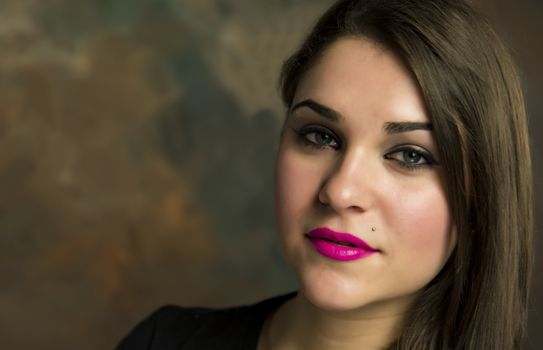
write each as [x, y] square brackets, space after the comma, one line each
[356, 75]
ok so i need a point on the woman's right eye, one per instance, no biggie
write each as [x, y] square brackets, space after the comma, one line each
[317, 137]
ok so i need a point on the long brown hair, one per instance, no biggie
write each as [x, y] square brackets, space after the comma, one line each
[472, 93]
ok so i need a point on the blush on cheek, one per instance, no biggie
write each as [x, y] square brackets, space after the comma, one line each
[294, 188]
[427, 225]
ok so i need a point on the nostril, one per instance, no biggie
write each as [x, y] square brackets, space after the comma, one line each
[355, 208]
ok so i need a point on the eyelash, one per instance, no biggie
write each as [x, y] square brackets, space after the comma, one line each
[302, 138]
[429, 161]
[306, 130]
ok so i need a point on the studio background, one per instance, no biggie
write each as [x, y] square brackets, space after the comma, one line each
[137, 142]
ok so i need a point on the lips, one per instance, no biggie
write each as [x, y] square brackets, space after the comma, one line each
[339, 246]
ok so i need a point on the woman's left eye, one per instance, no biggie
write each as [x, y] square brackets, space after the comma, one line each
[411, 158]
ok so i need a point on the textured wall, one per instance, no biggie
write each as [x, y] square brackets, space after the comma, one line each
[136, 152]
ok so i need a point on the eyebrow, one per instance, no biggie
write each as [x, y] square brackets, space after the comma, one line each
[389, 127]
[399, 127]
[318, 108]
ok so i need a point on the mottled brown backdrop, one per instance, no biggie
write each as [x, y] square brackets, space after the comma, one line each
[137, 140]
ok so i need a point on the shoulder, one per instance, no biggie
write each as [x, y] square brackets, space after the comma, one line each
[175, 327]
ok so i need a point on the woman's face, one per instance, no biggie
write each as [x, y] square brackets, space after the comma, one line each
[357, 153]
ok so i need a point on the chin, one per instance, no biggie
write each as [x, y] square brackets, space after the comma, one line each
[332, 295]
[331, 300]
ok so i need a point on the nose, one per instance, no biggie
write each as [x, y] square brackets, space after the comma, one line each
[348, 185]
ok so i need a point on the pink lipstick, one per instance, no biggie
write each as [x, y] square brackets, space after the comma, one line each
[339, 246]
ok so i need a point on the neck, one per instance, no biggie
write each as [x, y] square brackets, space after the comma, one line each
[298, 324]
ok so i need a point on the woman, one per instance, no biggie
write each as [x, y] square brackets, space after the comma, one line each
[403, 192]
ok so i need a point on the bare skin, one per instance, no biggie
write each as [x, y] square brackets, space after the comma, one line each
[284, 329]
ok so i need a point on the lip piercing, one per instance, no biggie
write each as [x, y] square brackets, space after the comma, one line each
[373, 229]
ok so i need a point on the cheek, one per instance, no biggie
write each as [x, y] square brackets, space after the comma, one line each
[293, 188]
[424, 227]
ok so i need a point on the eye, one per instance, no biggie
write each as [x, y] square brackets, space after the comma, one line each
[317, 137]
[411, 158]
